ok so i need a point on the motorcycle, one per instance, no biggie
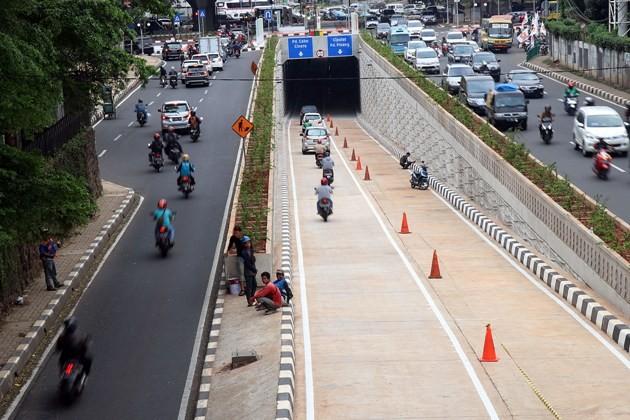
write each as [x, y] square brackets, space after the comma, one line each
[546, 131]
[163, 241]
[72, 380]
[174, 155]
[318, 159]
[570, 105]
[601, 164]
[173, 81]
[142, 118]
[420, 179]
[185, 186]
[194, 134]
[163, 81]
[324, 208]
[157, 161]
[329, 175]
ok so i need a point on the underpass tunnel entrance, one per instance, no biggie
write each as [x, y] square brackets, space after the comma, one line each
[332, 84]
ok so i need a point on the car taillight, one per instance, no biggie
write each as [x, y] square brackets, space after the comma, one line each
[69, 368]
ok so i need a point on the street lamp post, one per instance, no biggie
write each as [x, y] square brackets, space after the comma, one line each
[485, 9]
[473, 14]
[141, 38]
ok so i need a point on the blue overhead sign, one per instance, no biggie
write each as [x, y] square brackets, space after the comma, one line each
[339, 45]
[268, 15]
[202, 12]
[300, 47]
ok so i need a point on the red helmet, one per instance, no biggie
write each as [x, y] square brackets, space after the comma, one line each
[162, 204]
[324, 181]
[571, 84]
[156, 136]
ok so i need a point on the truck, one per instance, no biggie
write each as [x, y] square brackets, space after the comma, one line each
[397, 39]
[209, 44]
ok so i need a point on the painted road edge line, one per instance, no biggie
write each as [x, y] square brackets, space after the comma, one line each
[39, 328]
[580, 300]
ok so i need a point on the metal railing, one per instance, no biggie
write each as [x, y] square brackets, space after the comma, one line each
[55, 136]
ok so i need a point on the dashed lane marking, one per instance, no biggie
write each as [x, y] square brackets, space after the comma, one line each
[117, 137]
[100, 155]
[151, 103]
[130, 124]
[618, 168]
[210, 84]
[158, 94]
[205, 92]
[200, 99]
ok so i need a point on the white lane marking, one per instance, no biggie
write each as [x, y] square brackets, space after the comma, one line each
[130, 124]
[151, 103]
[200, 99]
[569, 309]
[562, 83]
[306, 329]
[545, 92]
[100, 155]
[481, 392]
[45, 356]
[158, 94]
[618, 168]
[117, 137]
[210, 84]
[195, 108]
[119, 104]
[214, 77]
[205, 92]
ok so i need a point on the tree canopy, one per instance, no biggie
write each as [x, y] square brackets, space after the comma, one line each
[55, 51]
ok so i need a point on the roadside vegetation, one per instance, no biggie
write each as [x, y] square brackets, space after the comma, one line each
[253, 197]
[545, 177]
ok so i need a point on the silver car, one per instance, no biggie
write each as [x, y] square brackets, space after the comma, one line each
[453, 75]
[175, 114]
[310, 137]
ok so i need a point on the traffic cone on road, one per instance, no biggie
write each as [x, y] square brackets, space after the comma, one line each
[489, 355]
[435, 267]
[331, 123]
[328, 117]
[353, 157]
[404, 228]
[337, 131]
[345, 143]
[367, 174]
[359, 167]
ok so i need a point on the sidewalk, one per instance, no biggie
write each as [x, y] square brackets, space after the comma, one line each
[24, 327]
[378, 349]
[541, 64]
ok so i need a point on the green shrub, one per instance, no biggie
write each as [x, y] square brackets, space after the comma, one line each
[596, 34]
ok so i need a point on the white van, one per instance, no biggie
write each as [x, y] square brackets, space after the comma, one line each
[398, 8]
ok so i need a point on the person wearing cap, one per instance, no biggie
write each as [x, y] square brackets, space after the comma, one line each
[269, 297]
[281, 283]
[249, 269]
[47, 252]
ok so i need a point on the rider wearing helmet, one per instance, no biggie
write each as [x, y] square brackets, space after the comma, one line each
[327, 162]
[156, 146]
[319, 148]
[141, 108]
[324, 191]
[73, 346]
[185, 168]
[571, 90]
[588, 101]
[164, 217]
[172, 74]
[194, 121]
[171, 141]
[546, 115]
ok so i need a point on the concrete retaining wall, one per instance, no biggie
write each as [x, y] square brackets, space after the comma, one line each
[400, 113]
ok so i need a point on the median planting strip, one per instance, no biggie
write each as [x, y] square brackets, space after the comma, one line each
[592, 215]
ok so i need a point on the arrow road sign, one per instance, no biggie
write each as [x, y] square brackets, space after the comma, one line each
[300, 47]
[339, 45]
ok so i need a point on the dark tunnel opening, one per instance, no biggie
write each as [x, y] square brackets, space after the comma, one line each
[332, 84]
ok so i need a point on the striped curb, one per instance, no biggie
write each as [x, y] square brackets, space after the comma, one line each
[252, 48]
[596, 313]
[581, 85]
[322, 32]
[286, 376]
[203, 396]
[84, 268]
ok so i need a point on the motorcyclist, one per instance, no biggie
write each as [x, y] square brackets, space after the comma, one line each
[546, 115]
[327, 161]
[571, 90]
[74, 346]
[324, 191]
[163, 217]
[141, 108]
[156, 146]
[601, 145]
[172, 74]
[319, 149]
[163, 74]
[588, 101]
[171, 141]
[405, 161]
[185, 168]
[194, 121]
[420, 172]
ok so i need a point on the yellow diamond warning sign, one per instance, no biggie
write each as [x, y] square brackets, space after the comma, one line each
[242, 126]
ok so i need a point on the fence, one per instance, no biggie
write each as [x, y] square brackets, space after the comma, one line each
[55, 136]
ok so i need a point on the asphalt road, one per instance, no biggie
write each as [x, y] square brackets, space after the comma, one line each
[141, 310]
[569, 162]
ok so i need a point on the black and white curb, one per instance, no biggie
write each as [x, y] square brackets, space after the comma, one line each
[596, 313]
[322, 32]
[83, 268]
[211, 352]
[286, 377]
[253, 48]
[582, 86]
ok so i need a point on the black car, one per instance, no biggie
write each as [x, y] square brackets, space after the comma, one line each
[461, 53]
[506, 106]
[472, 91]
[487, 63]
[527, 81]
[172, 51]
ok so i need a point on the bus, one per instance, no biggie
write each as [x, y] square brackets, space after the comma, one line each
[397, 39]
[553, 11]
[236, 10]
[496, 33]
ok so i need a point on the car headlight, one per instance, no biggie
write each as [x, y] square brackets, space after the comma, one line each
[541, 87]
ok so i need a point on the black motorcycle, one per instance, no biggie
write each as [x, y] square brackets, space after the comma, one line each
[163, 81]
[329, 175]
[324, 208]
[318, 159]
[546, 131]
[194, 134]
[72, 380]
[420, 179]
[173, 81]
[157, 161]
[163, 241]
[174, 155]
[142, 118]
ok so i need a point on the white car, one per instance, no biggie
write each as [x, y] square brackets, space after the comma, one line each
[410, 51]
[428, 36]
[474, 45]
[185, 65]
[217, 61]
[427, 60]
[454, 37]
[314, 119]
[415, 28]
[311, 135]
[175, 114]
[205, 60]
[595, 122]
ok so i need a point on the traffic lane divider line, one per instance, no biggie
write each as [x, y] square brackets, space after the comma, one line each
[130, 124]
[481, 392]
[100, 155]
[117, 137]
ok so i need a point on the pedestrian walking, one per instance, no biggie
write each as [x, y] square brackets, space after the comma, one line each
[47, 252]
[250, 270]
[235, 242]
[269, 297]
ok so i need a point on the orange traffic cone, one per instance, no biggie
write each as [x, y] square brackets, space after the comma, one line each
[359, 167]
[328, 117]
[345, 143]
[404, 228]
[367, 174]
[331, 123]
[337, 131]
[353, 157]
[489, 354]
[435, 267]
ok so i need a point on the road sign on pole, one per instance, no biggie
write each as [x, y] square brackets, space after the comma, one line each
[301, 47]
[202, 13]
[339, 46]
[242, 126]
[268, 15]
